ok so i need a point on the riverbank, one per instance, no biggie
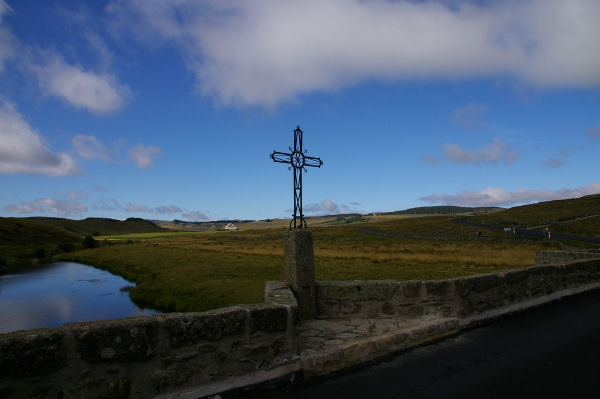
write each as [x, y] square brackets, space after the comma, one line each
[212, 270]
[249, 347]
[51, 295]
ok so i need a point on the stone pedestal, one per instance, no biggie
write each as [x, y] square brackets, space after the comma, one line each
[299, 259]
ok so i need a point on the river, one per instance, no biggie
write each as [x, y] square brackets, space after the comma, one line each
[59, 293]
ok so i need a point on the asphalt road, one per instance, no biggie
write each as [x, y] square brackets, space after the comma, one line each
[552, 352]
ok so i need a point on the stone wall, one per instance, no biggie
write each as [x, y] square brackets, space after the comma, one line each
[471, 298]
[191, 355]
[562, 257]
[169, 355]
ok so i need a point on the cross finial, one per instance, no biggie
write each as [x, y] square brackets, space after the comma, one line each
[298, 161]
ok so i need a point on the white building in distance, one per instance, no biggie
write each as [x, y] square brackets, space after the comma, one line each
[231, 227]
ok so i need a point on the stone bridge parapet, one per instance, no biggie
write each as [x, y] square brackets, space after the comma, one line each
[184, 355]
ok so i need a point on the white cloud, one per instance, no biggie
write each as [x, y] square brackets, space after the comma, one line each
[7, 40]
[110, 204]
[167, 209]
[22, 149]
[77, 195]
[162, 210]
[501, 197]
[98, 93]
[495, 152]
[327, 206]
[88, 147]
[263, 52]
[557, 161]
[136, 208]
[470, 116]
[593, 131]
[144, 155]
[553, 163]
[195, 216]
[61, 208]
[430, 159]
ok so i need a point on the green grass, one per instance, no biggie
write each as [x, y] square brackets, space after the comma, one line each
[23, 240]
[143, 236]
[196, 272]
[179, 279]
[546, 213]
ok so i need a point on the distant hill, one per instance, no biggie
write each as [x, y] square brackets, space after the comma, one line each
[442, 210]
[180, 225]
[579, 216]
[548, 212]
[99, 226]
[22, 240]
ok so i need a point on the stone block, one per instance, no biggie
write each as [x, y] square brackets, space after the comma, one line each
[516, 276]
[483, 282]
[411, 289]
[299, 268]
[381, 290]
[191, 328]
[268, 318]
[120, 340]
[31, 353]
[437, 287]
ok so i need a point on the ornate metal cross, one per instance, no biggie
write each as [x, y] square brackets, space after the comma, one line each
[298, 161]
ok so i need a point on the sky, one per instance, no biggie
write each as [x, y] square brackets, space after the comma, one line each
[169, 109]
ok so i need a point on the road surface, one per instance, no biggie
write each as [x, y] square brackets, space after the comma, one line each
[551, 351]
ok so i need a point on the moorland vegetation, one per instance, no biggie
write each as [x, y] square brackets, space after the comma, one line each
[207, 269]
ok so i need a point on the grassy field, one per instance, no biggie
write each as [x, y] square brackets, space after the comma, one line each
[196, 271]
[561, 216]
[208, 268]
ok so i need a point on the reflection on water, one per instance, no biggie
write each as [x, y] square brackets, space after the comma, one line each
[60, 293]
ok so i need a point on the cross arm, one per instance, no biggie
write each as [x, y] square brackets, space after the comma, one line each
[281, 157]
[313, 161]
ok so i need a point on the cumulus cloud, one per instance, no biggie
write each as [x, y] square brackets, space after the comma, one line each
[22, 149]
[99, 93]
[63, 208]
[263, 52]
[195, 216]
[136, 208]
[470, 116]
[553, 163]
[7, 40]
[501, 197]
[497, 151]
[77, 195]
[557, 161]
[430, 159]
[144, 155]
[107, 204]
[167, 209]
[593, 131]
[88, 147]
[327, 206]
[161, 210]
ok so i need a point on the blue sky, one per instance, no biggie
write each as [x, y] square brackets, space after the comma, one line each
[170, 109]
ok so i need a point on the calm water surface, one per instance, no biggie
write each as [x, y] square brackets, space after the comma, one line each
[59, 293]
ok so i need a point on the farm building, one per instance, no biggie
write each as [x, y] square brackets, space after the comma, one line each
[231, 227]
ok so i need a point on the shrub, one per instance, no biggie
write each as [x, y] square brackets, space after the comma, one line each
[89, 242]
[40, 253]
[66, 247]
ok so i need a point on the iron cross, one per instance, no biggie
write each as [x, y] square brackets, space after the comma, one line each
[298, 161]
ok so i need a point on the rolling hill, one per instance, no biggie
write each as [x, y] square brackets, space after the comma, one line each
[99, 226]
[579, 216]
[21, 240]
